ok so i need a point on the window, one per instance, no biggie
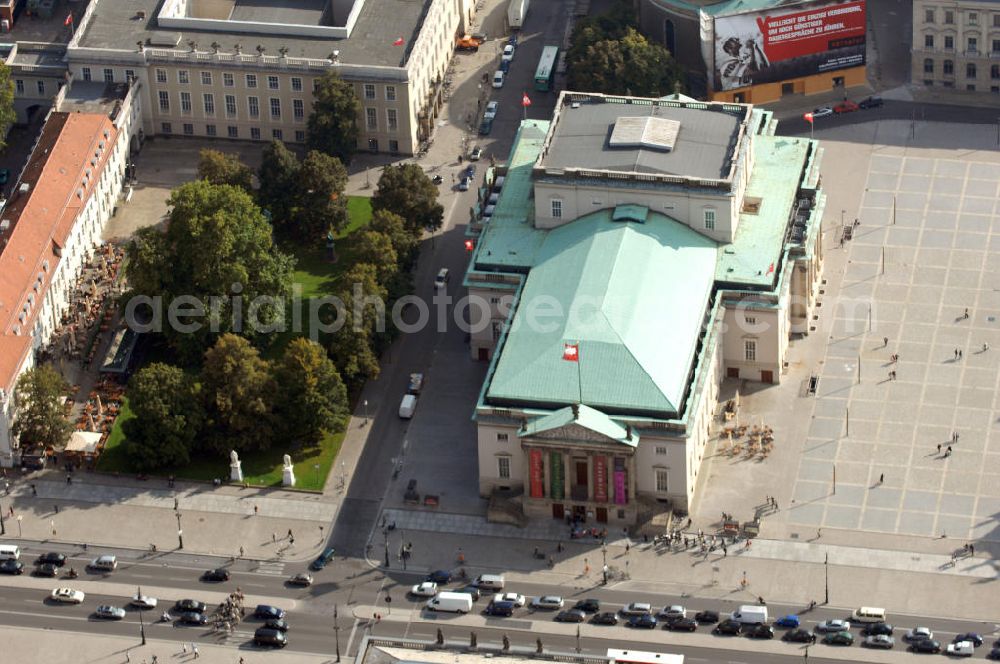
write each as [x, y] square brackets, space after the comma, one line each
[188, 129]
[750, 320]
[661, 450]
[970, 70]
[971, 87]
[391, 119]
[161, 75]
[182, 76]
[230, 106]
[206, 78]
[928, 41]
[502, 437]
[129, 75]
[750, 350]
[557, 209]
[253, 107]
[210, 130]
[109, 75]
[928, 66]
[973, 18]
[272, 82]
[227, 79]
[928, 16]
[929, 82]
[277, 134]
[996, 46]
[164, 101]
[994, 71]
[19, 86]
[296, 84]
[972, 44]
[300, 136]
[166, 128]
[87, 75]
[948, 84]
[209, 100]
[995, 89]
[949, 42]
[996, 20]
[393, 146]
[390, 93]
[709, 220]
[298, 109]
[41, 87]
[369, 91]
[949, 68]
[662, 479]
[503, 467]
[251, 80]
[275, 108]
[185, 102]
[371, 118]
[949, 17]
[255, 133]
[232, 132]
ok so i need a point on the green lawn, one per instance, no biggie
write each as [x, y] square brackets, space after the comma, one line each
[259, 468]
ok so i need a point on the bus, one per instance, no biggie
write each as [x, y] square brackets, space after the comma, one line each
[546, 71]
[643, 657]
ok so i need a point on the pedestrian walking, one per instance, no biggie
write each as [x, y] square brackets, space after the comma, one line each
[184, 648]
[194, 649]
[966, 314]
[56, 508]
[956, 437]
[291, 540]
[255, 510]
[241, 552]
[128, 656]
[12, 510]
[881, 478]
[289, 533]
[34, 490]
[274, 538]
[956, 353]
[960, 353]
[948, 451]
[939, 448]
[725, 550]
[972, 549]
[885, 342]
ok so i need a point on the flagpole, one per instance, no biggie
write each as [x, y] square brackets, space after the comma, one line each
[579, 373]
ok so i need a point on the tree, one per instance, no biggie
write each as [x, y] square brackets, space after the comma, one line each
[217, 250]
[333, 123]
[407, 191]
[168, 417]
[40, 418]
[353, 345]
[224, 168]
[237, 389]
[279, 171]
[392, 226]
[374, 248]
[310, 396]
[7, 113]
[630, 65]
[320, 203]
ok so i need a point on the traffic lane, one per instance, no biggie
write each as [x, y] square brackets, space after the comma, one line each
[792, 123]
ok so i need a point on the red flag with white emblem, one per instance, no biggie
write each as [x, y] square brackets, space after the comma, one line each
[524, 99]
[571, 352]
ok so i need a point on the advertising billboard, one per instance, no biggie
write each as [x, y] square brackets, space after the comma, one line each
[788, 42]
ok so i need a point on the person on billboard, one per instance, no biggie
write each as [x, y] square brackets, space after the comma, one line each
[743, 59]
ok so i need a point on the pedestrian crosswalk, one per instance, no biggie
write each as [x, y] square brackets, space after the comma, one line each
[275, 569]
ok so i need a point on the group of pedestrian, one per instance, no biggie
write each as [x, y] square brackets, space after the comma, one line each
[771, 501]
[958, 353]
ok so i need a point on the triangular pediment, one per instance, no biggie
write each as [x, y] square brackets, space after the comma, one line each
[576, 433]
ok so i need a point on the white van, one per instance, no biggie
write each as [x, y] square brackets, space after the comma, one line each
[407, 406]
[107, 562]
[10, 552]
[451, 602]
[498, 79]
[750, 614]
[490, 581]
[868, 614]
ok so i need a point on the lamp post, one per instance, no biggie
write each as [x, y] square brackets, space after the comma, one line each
[336, 630]
[142, 625]
[180, 533]
[3, 526]
[385, 536]
[826, 569]
[19, 517]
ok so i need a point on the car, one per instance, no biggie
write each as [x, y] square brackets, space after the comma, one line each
[143, 602]
[729, 627]
[918, 634]
[502, 609]
[761, 631]
[104, 563]
[192, 618]
[672, 612]
[845, 107]
[67, 596]
[322, 560]
[108, 612]
[637, 609]
[45, 569]
[439, 576]
[51, 558]
[491, 111]
[832, 626]
[645, 620]
[5, 174]
[787, 621]
[498, 78]
[276, 623]
[547, 602]
[822, 112]
[875, 629]
[871, 102]
[976, 639]
[301, 579]
[267, 611]
[514, 598]
[476, 154]
[839, 639]
[508, 53]
[961, 649]
[425, 589]
[216, 575]
[464, 183]
[588, 605]
[883, 641]
[471, 589]
[190, 605]
[994, 654]
[605, 618]
[485, 127]
[441, 280]
[682, 624]
[470, 171]
[572, 615]
[799, 636]
[265, 636]
[11, 566]
[925, 646]
[707, 616]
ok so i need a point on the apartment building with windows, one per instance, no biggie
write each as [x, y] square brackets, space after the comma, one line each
[956, 44]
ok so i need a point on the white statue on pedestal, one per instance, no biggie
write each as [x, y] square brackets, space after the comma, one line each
[287, 472]
[235, 467]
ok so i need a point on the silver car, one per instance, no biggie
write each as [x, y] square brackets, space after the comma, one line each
[918, 634]
[109, 612]
[547, 602]
[833, 626]
[883, 641]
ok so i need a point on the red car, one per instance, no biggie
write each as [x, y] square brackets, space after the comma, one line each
[845, 107]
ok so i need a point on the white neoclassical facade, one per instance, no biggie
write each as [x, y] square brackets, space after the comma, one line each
[956, 45]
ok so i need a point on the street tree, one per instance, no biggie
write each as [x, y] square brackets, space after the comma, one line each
[403, 241]
[168, 417]
[40, 418]
[224, 168]
[407, 191]
[630, 65]
[320, 203]
[237, 391]
[374, 248]
[353, 346]
[333, 123]
[279, 170]
[7, 113]
[310, 396]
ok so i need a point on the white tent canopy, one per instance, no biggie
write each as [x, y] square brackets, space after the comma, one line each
[83, 442]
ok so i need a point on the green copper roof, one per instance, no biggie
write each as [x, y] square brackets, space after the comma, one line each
[588, 418]
[633, 295]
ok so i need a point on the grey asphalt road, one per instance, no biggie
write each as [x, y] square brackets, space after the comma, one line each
[791, 123]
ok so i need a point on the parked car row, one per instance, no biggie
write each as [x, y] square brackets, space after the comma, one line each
[846, 106]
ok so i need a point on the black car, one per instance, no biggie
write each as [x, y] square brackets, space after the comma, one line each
[276, 623]
[191, 605]
[994, 654]
[51, 558]
[875, 629]
[644, 621]
[322, 559]
[761, 632]
[265, 636]
[871, 102]
[606, 618]
[682, 625]
[799, 636]
[472, 590]
[926, 645]
[46, 569]
[12, 567]
[729, 627]
[707, 616]
[588, 605]
[216, 575]
[501, 609]
[439, 576]
[193, 618]
[266, 611]
[969, 636]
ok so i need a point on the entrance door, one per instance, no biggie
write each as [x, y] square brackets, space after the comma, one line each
[558, 512]
[766, 377]
[733, 372]
[580, 513]
[581, 473]
[484, 354]
[787, 89]
[602, 514]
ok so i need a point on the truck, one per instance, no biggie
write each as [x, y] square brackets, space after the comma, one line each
[517, 10]
[468, 43]
[750, 614]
